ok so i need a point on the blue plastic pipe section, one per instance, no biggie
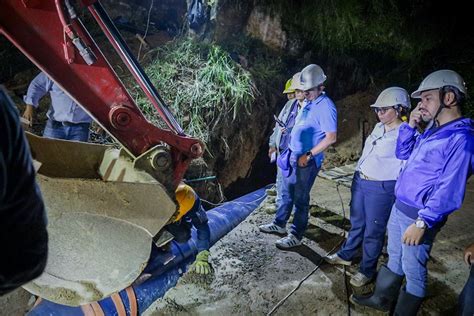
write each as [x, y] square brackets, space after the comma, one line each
[166, 268]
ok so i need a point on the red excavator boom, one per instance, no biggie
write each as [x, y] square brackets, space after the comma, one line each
[52, 36]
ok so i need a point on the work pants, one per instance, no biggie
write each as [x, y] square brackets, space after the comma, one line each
[371, 203]
[295, 191]
[67, 131]
[466, 298]
[410, 261]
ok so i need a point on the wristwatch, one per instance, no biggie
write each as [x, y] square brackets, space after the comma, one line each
[420, 223]
[309, 154]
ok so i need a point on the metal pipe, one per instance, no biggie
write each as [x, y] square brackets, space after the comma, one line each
[166, 267]
[119, 44]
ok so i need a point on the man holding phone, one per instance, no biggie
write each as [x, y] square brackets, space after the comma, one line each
[429, 188]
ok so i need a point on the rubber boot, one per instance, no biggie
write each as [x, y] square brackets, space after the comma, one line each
[386, 291]
[407, 304]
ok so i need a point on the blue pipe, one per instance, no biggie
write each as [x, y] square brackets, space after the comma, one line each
[167, 267]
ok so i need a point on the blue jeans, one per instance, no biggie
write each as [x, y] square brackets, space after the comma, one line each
[67, 131]
[371, 203]
[295, 191]
[466, 298]
[410, 261]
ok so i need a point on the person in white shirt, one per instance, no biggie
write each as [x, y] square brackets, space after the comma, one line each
[373, 187]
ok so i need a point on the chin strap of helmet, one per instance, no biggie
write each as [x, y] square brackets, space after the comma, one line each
[442, 105]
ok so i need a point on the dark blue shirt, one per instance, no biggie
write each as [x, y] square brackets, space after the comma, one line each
[23, 233]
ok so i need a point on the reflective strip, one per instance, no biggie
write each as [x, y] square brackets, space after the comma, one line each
[118, 304]
[38, 301]
[132, 300]
[97, 309]
[87, 310]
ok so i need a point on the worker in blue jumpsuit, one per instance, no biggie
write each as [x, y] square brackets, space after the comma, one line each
[431, 186]
[23, 234]
[314, 131]
[66, 119]
[191, 213]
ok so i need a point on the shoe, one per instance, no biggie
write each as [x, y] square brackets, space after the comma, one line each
[272, 229]
[335, 259]
[359, 279]
[387, 286]
[288, 242]
[407, 304]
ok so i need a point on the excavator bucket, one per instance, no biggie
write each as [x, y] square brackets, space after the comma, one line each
[100, 231]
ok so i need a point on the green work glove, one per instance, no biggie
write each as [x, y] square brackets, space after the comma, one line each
[201, 265]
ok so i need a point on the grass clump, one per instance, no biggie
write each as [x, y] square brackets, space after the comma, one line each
[200, 83]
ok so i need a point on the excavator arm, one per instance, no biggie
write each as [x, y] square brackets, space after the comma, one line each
[51, 35]
[104, 205]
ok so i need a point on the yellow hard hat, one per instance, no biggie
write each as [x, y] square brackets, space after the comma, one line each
[186, 198]
[287, 87]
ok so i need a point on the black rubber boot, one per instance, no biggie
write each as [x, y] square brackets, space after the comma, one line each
[407, 304]
[385, 293]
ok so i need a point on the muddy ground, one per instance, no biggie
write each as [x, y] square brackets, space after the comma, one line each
[253, 276]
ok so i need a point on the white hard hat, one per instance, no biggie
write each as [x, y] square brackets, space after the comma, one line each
[439, 79]
[296, 82]
[312, 76]
[391, 97]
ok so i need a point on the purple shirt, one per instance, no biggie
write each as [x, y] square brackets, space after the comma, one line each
[63, 108]
[439, 162]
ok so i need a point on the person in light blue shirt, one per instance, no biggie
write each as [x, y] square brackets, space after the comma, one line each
[314, 130]
[373, 187]
[66, 119]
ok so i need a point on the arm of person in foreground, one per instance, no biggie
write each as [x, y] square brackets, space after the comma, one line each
[23, 232]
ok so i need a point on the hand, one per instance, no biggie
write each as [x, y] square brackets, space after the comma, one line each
[415, 117]
[303, 160]
[413, 235]
[283, 130]
[468, 257]
[271, 150]
[201, 265]
[28, 114]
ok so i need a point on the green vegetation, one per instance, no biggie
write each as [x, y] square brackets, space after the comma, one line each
[200, 83]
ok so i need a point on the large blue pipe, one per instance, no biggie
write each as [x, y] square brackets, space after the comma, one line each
[167, 267]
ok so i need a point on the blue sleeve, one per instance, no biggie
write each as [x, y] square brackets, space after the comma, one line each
[37, 89]
[405, 142]
[328, 117]
[23, 234]
[200, 222]
[448, 193]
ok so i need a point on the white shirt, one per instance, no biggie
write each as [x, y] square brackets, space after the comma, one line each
[378, 160]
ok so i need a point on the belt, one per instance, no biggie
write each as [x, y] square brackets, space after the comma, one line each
[363, 176]
[57, 123]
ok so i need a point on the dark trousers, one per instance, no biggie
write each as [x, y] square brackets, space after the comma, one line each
[371, 203]
[466, 298]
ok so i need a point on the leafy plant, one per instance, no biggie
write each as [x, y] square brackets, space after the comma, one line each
[200, 83]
